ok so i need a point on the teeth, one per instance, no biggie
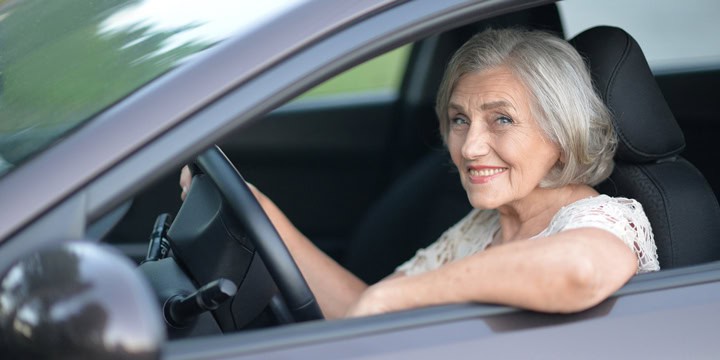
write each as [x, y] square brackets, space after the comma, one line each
[485, 172]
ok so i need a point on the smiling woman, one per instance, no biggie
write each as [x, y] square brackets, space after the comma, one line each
[493, 135]
[515, 146]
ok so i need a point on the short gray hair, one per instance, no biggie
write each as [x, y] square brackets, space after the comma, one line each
[564, 101]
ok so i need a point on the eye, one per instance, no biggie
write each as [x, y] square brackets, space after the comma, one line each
[504, 120]
[458, 121]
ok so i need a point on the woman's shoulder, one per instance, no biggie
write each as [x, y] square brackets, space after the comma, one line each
[601, 210]
[603, 204]
[623, 217]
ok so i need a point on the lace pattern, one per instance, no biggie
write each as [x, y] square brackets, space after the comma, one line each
[622, 217]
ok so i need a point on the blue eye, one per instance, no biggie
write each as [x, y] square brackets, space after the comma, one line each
[504, 120]
[458, 121]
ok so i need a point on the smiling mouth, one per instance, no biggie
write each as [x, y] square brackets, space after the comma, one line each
[485, 172]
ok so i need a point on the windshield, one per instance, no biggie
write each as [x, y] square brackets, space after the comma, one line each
[61, 62]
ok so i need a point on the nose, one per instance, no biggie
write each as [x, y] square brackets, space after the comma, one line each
[477, 142]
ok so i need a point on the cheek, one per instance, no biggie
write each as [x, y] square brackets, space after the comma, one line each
[544, 157]
[529, 156]
[455, 148]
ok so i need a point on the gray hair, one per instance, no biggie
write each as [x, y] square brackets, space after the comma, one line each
[564, 102]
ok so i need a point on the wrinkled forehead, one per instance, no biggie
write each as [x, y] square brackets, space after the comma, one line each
[497, 88]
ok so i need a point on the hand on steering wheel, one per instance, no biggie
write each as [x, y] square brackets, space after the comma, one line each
[245, 207]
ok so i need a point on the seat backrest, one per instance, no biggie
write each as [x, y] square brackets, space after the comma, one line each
[414, 212]
[678, 201]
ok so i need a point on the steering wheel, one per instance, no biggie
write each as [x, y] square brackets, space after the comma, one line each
[298, 297]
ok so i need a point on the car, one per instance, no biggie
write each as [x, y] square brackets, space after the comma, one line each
[103, 102]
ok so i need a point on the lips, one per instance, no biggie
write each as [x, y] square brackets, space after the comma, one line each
[483, 174]
[486, 171]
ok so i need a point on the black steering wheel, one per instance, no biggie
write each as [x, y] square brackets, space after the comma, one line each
[295, 291]
[229, 268]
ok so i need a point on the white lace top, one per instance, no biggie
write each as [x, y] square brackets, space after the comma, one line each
[623, 217]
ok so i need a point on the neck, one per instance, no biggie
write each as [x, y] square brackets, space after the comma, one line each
[530, 215]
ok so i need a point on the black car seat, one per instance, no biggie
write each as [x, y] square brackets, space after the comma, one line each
[416, 210]
[677, 199]
[680, 204]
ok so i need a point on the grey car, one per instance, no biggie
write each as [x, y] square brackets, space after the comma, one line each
[328, 107]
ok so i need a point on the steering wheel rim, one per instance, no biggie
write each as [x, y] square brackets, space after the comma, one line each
[282, 268]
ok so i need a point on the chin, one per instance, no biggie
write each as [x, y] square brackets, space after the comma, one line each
[486, 204]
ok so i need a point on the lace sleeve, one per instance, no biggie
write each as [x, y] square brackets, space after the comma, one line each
[469, 235]
[623, 217]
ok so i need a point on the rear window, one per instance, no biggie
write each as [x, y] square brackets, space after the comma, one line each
[675, 35]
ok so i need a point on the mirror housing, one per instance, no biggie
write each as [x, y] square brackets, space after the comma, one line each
[78, 300]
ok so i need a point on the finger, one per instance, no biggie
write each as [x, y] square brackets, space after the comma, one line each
[185, 180]
[185, 177]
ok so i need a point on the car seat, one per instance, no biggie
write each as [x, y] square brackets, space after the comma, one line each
[680, 204]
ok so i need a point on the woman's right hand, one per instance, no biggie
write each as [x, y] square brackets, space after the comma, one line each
[185, 179]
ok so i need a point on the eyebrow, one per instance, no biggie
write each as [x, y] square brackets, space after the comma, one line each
[486, 106]
[495, 105]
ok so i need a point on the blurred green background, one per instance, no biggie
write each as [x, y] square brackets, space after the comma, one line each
[383, 73]
[60, 64]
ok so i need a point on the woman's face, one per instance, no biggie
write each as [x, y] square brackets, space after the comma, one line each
[501, 152]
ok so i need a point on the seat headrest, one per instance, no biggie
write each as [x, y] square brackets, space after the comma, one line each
[646, 127]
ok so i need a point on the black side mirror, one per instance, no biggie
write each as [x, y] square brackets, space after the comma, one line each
[78, 300]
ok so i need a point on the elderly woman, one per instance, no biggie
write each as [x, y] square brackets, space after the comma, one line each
[529, 137]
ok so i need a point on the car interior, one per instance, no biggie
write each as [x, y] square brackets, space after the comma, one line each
[368, 178]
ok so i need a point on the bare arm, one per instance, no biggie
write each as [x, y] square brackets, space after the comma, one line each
[565, 272]
[569, 271]
[334, 287]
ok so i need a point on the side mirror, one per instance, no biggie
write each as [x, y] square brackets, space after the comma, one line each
[78, 300]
